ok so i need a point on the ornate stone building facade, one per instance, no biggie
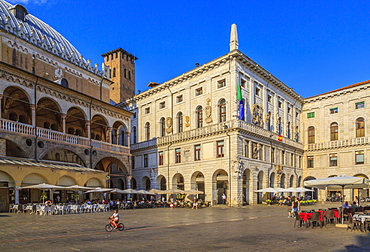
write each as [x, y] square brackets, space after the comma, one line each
[56, 122]
[190, 133]
[335, 135]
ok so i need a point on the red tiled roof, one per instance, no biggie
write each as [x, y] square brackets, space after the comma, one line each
[339, 89]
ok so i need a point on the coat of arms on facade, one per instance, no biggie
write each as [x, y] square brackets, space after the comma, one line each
[187, 119]
[169, 125]
[208, 111]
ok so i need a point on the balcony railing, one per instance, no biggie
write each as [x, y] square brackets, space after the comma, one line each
[26, 129]
[338, 144]
[211, 129]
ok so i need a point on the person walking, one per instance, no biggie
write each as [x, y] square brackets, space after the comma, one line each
[224, 198]
[289, 204]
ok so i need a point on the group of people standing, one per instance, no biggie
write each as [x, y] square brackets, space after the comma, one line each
[293, 206]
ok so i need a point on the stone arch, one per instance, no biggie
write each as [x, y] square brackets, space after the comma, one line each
[62, 155]
[178, 181]
[282, 180]
[133, 183]
[48, 114]
[66, 181]
[162, 182]
[75, 122]
[6, 178]
[197, 183]
[291, 181]
[247, 186]
[94, 182]
[33, 179]
[220, 184]
[121, 184]
[112, 165]
[16, 105]
[98, 128]
[260, 183]
[120, 134]
[272, 180]
[145, 183]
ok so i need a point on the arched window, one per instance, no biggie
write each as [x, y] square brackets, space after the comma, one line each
[360, 127]
[199, 114]
[134, 135]
[334, 131]
[311, 134]
[147, 131]
[162, 126]
[180, 122]
[222, 110]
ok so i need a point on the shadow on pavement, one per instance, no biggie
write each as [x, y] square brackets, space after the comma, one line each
[4, 215]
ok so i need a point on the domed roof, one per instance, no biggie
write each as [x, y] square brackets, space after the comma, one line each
[16, 20]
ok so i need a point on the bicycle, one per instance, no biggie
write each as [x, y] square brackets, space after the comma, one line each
[109, 227]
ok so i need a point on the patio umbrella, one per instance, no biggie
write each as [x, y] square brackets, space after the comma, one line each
[78, 188]
[145, 192]
[339, 182]
[270, 189]
[131, 191]
[43, 187]
[157, 191]
[99, 190]
[193, 192]
[302, 189]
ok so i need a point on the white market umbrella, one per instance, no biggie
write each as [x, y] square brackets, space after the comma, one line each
[302, 189]
[193, 192]
[270, 190]
[43, 186]
[99, 190]
[131, 191]
[78, 188]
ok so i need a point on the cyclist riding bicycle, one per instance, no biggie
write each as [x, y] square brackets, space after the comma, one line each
[115, 218]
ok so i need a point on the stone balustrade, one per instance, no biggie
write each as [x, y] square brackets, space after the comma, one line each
[337, 144]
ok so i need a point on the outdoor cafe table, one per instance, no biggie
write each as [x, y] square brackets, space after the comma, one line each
[306, 216]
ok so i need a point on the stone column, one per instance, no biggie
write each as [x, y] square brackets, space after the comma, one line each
[64, 122]
[109, 135]
[128, 139]
[16, 194]
[33, 109]
[88, 126]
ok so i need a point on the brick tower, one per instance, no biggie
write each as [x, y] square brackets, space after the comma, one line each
[122, 73]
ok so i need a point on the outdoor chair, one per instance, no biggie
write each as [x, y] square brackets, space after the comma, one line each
[353, 224]
[315, 220]
[329, 217]
[297, 219]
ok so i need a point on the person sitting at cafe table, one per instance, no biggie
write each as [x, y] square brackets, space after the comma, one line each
[354, 204]
[346, 205]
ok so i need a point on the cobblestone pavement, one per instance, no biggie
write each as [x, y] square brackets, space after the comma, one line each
[220, 228]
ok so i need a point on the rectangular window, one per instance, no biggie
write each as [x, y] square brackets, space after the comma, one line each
[333, 110]
[333, 159]
[309, 161]
[221, 83]
[311, 115]
[269, 98]
[299, 161]
[197, 152]
[359, 157]
[198, 91]
[179, 98]
[272, 155]
[160, 158]
[246, 149]
[258, 91]
[243, 83]
[145, 160]
[280, 104]
[360, 105]
[291, 159]
[178, 155]
[133, 162]
[162, 105]
[220, 148]
[147, 110]
[283, 157]
[289, 109]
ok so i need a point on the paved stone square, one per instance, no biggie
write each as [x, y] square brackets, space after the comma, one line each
[220, 228]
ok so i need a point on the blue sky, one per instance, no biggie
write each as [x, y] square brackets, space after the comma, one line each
[312, 46]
